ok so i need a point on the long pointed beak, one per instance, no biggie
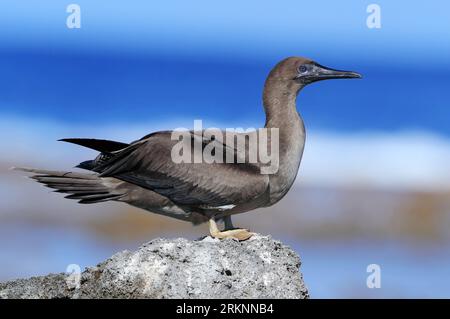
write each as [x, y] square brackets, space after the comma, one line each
[324, 73]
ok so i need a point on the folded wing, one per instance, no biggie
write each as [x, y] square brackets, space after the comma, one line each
[148, 163]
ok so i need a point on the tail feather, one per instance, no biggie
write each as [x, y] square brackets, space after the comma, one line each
[86, 188]
[49, 179]
[62, 188]
[56, 173]
[89, 199]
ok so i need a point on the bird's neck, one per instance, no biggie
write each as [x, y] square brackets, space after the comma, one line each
[281, 108]
[281, 113]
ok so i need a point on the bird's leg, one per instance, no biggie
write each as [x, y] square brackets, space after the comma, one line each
[239, 234]
[228, 223]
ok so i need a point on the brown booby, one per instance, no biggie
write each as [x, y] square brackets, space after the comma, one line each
[144, 174]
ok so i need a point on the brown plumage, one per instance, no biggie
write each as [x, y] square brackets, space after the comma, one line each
[144, 175]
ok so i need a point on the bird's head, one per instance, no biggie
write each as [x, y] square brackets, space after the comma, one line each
[296, 72]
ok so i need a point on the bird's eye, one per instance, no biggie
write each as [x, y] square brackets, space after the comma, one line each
[302, 69]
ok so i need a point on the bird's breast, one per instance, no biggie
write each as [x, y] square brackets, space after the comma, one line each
[292, 145]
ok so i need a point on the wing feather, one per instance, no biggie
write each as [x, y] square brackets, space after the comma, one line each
[148, 163]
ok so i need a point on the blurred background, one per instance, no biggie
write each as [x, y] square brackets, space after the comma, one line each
[374, 184]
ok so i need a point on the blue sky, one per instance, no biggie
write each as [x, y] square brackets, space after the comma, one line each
[250, 29]
[182, 60]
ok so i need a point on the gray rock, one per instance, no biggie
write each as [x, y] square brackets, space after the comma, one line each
[178, 268]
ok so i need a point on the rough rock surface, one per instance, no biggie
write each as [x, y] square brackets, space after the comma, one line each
[178, 268]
